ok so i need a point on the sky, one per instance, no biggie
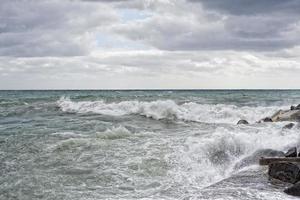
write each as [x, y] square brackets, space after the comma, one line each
[149, 44]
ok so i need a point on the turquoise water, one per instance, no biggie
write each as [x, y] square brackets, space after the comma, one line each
[138, 144]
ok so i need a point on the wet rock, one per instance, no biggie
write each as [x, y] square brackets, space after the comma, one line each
[293, 190]
[242, 121]
[285, 171]
[295, 107]
[289, 126]
[267, 119]
[286, 115]
[292, 152]
[254, 158]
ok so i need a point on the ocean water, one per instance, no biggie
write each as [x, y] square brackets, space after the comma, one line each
[84, 145]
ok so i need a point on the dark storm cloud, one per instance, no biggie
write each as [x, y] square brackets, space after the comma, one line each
[70, 28]
[251, 7]
[218, 25]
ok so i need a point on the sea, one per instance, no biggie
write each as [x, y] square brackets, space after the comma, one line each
[140, 144]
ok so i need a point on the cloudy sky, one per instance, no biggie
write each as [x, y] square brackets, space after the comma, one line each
[127, 44]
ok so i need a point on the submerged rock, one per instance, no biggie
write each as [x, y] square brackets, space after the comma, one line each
[285, 171]
[254, 158]
[293, 190]
[292, 152]
[242, 121]
[289, 126]
[293, 108]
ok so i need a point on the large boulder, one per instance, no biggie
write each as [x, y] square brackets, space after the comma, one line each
[242, 121]
[285, 171]
[294, 190]
[286, 115]
[254, 158]
[292, 152]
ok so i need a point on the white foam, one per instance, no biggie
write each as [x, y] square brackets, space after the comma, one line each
[67, 134]
[194, 164]
[114, 133]
[169, 109]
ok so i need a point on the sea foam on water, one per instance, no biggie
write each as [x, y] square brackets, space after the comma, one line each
[169, 109]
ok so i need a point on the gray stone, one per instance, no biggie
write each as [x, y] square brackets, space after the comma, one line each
[293, 190]
[242, 121]
[292, 152]
[285, 171]
[267, 119]
[286, 115]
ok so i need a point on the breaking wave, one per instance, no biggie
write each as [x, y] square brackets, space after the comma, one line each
[211, 158]
[169, 109]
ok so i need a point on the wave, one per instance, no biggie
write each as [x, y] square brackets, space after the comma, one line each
[169, 109]
[67, 135]
[114, 133]
[71, 140]
[211, 158]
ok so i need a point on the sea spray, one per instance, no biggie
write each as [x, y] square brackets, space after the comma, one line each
[197, 163]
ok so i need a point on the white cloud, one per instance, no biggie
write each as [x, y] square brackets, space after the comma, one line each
[152, 69]
[171, 44]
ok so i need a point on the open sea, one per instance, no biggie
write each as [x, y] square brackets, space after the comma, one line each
[90, 145]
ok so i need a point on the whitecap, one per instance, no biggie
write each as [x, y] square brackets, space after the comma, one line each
[169, 109]
[114, 133]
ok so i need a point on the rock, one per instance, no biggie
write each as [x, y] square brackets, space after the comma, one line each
[289, 126]
[293, 190]
[254, 158]
[286, 115]
[292, 152]
[285, 171]
[295, 107]
[267, 119]
[242, 121]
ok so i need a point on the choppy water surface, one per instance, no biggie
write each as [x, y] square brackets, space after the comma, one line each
[139, 144]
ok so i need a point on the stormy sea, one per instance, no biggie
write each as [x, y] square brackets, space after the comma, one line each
[160, 144]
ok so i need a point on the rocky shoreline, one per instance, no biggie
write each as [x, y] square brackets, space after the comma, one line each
[282, 166]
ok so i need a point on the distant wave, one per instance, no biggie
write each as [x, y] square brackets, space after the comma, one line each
[169, 109]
